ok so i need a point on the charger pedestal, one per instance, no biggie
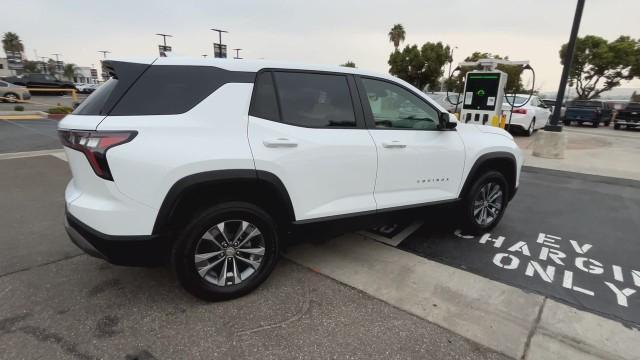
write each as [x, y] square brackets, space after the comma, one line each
[550, 144]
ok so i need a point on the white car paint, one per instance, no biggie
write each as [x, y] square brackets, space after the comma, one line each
[327, 172]
[535, 109]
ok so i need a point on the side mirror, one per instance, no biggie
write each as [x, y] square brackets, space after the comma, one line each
[448, 121]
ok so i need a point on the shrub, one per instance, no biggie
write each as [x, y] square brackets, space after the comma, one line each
[18, 108]
[60, 110]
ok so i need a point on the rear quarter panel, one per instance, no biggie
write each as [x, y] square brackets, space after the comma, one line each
[210, 136]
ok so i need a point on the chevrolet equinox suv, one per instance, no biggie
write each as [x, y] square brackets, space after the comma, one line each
[209, 164]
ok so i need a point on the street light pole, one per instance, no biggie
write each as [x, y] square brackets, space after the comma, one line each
[220, 34]
[104, 53]
[57, 61]
[237, 54]
[164, 38]
[220, 50]
[568, 59]
[450, 62]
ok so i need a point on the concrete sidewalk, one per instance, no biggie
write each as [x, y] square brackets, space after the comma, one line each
[596, 151]
[516, 323]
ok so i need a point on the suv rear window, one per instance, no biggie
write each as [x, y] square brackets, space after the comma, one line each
[157, 89]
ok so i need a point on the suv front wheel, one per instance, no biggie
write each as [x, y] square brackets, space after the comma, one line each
[226, 251]
[485, 203]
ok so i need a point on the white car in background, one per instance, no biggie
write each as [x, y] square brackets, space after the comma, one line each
[531, 116]
[441, 98]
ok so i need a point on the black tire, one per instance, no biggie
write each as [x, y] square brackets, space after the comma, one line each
[567, 122]
[186, 247]
[470, 224]
[532, 128]
[595, 124]
[616, 126]
[607, 123]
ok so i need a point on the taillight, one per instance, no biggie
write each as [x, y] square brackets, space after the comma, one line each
[520, 111]
[94, 145]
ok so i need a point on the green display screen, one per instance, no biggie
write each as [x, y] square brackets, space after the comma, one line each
[481, 91]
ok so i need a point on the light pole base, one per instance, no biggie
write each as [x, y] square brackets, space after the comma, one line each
[550, 144]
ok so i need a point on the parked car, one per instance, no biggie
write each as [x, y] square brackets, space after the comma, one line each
[211, 163]
[86, 88]
[528, 116]
[551, 103]
[446, 102]
[629, 117]
[40, 81]
[589, 111]
[13, 93]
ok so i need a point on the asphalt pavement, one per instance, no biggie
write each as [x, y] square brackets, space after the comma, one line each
[56, 303]
[28, 135]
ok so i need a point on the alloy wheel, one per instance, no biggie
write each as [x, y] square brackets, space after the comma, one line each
[229, 253]
[488, 204]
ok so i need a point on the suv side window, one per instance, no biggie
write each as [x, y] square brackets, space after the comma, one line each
[264, 103]
[315, 100]
[396, 108]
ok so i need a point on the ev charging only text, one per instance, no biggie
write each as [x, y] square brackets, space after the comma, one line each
[552, 264]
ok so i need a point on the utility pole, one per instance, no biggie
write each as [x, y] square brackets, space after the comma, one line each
[219, 51]
[237, 54]
[104, 53]
[568, 59]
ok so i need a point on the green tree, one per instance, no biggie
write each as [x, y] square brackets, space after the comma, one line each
[69, 71]
[11, 42]
[397, 35]
[349, 63]
[420, 66]
[599, 65]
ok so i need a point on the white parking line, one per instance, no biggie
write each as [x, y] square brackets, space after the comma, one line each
[59, 153]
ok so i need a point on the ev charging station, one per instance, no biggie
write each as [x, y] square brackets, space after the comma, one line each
[484, 92]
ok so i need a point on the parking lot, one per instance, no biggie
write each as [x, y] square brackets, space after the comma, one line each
[414, 290]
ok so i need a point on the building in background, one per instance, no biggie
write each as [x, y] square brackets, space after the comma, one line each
[4, 68]
[84, 74]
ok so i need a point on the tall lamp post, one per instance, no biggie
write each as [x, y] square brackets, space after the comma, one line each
[219, 51]
[554, 125]
[164, 48]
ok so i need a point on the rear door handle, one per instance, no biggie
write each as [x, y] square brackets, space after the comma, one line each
[393, 144]
[280, 143]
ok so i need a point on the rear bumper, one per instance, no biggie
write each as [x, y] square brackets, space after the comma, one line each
[132, 250]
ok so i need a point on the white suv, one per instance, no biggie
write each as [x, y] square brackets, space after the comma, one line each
[211, 163]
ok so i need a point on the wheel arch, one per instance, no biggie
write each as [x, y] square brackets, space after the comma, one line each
[197, 191]
[502, 161]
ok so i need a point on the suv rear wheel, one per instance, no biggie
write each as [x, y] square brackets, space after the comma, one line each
[485, 203]
[226, 251]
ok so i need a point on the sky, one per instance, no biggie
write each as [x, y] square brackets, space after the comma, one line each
[318, 32]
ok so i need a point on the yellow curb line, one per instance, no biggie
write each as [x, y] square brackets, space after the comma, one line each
[22, 117]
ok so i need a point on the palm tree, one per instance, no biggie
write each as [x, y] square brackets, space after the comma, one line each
[11, 42]
[396, 35]
[69, 71]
